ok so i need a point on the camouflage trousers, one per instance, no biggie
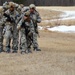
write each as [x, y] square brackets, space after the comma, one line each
[35, 42]
[1, 39]
[7, 43]
[7, 36]
[15, 38]
[11, 34]
[32, 40]
[23, 41]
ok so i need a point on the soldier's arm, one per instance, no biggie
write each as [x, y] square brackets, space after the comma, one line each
[38, 18]
[32, 26]
[6, 5]
[2, 21]
[17, 17]
[7, 12]
[19, 24]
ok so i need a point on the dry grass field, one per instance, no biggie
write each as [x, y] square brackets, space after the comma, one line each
[56, 58]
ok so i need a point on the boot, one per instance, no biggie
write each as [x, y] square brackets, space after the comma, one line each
[22, 52]
[29, 51]
[1, 50]
[7, 49]
[36, 49]
[14, 50]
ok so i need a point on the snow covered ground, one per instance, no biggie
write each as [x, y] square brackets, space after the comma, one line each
[67, 15]
[62, 28]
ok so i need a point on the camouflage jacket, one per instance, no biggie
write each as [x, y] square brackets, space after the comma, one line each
[35, 17]
[13, 14]
[24, 24]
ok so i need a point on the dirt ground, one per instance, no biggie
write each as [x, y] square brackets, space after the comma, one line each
[56, 58]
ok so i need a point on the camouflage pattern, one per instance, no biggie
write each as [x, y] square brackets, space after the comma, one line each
[7, 35]
[24, 42]
[14, 29]
[2, 21]
[5, 6]
[1, 37]
[36, 19]
[22, 26]
[1, 30]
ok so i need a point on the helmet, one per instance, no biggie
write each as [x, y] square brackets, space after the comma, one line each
[16, 5]
[11, 4]
[32, 6]
[1, 9]
[22, 5]
[27, 13]
[19, 8]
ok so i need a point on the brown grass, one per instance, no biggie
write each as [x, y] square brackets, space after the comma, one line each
[49, 14]
[56, 58]
[58, 23]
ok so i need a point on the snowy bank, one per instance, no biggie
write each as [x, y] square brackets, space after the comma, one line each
[67, 15]
[62, 28]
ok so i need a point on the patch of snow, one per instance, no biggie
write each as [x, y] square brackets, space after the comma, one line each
[40, 27]
[68, 15]
[63, 28]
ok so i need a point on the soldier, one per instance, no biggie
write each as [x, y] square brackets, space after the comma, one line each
[1, 35]
[1, 38]
[1, 29]
[22, 7]
[25, 26]
[12, 13]
[7, 31]
[36, 19]
[5, 6]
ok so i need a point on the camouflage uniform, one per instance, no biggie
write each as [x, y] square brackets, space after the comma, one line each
[5, 6]
[36, 19]
[1, 36]
[14, 29]
[2, 21]
[22, 25]
[7, 35]
[23, 41]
